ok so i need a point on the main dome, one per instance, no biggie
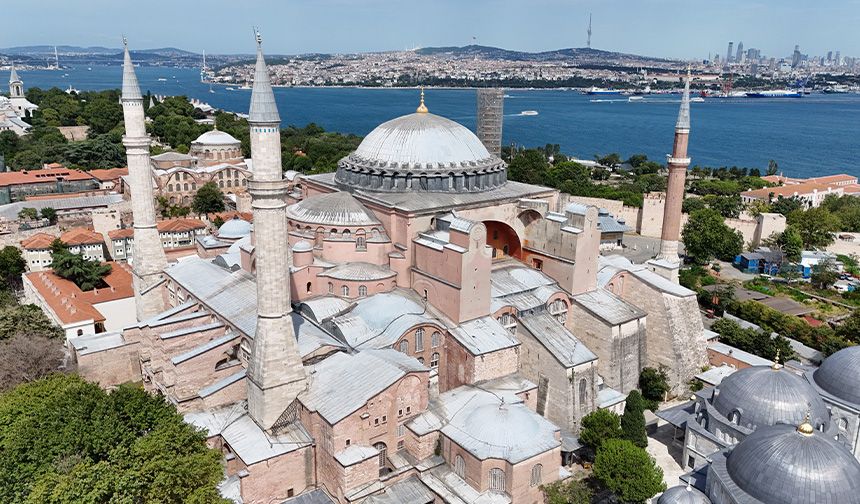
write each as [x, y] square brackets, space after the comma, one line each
[421, 152]
[782, 464]
[764, 396]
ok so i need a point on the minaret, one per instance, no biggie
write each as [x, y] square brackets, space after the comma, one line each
[275, 373]
[677, 163]
[16, 86]
[149, 258]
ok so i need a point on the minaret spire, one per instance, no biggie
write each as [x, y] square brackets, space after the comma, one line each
[16, 85]
[276, 375]
[13, 75]
[667, 262]
[149, 259]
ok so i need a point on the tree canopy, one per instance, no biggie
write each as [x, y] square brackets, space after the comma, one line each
[633, 420]
[23, 320]
[654, 384]
[65, 440]
[598, 426]
[815, 226]
[208, 199]
[87, 274]
[753, 341]
[706, 236]
[567, 492]
[628, 471]
[12, 266]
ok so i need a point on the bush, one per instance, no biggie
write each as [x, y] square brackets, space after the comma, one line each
[633, 420]
[598, 426]
[567, 492]
[654, 384]
[628, 471]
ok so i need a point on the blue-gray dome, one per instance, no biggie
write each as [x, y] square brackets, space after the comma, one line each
[762, 395]
[839, 374]
[683, 495]
[783, 465]
[234, 228]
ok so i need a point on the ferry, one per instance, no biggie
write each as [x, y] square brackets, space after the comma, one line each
[635, 98]
[529, 113]
[775, 93]
[229, 89]
[836, 89]
[601, 91]
[245, 87]
[696, 99]
[162, 79]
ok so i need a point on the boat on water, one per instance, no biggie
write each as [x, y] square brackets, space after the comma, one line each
[697, 99]
[245, 87]
[162, 79]
[529, 113]
[635, 98]
[601, 91]
[837, 89]
[229, 89]
[775, 93]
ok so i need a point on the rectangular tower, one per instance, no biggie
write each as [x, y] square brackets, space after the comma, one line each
[490, 113]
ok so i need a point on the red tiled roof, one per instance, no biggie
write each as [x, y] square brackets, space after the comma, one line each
[109, 174]
[225, 216]
[81, 236]
[851, 189]
[71, 304]
[789, 191]
[116, 234]
[42, 176]
[38, 241]
[835, 179]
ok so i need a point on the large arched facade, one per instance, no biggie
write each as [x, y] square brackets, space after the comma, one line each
[503, 239]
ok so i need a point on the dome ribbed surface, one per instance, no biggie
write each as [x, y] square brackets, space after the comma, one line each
[683, 495]
[839, 374]
[765, 396]
[777, 464]
[333, 209]
[216, 137]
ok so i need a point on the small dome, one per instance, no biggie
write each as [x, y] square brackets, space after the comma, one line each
[765, 396]
[513, 426]
[839, 374]
[333, 209]
[303, 246]
[234, 228]
[683, 495]
[781, 464]
[217, 138]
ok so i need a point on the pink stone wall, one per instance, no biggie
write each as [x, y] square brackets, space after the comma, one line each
[110, 367]
[495, 364]
[271, 480]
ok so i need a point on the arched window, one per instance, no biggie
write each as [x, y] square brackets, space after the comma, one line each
[404, 346]
[421, 360]
[80, 332]
[185, 186]
[497, 480]
[583, 396]
[333, 233]
[735, 417]
[537, 471]
[346, 234]
[170, 187]
[374, 233]
[308, 289]
[362, 290]
[345, 290]
[435, 339]
[382, 449]
[330, 288]
[434, 360]
[508, 322]
[360, 243]
[419, 339]
[459, 466]
[558, 309]
[221, 184]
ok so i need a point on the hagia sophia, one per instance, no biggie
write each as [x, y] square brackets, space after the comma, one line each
[416, 328]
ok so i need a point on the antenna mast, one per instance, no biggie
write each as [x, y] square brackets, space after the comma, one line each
[588, 43]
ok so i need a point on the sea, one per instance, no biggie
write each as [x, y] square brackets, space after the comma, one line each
[810, 136]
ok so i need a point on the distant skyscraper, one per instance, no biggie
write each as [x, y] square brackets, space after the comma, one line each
[489, 125]
[588, 42]
[838, 59]
[829, 56]
[729, 52]
[795, 57]
[739, 58]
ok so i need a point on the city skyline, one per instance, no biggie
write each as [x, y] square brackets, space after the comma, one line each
[342, 26]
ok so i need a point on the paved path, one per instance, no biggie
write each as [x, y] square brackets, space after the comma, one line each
[666, 453]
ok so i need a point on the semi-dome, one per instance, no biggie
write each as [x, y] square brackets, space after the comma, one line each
[421, 152]
[216, 138]
[839, 374]
[303, 246]
[333, 209]
[234, 228]
[683, 495]
[788, 464]
[768, 395]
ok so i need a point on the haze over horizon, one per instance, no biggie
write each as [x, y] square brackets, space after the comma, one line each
[662, 28]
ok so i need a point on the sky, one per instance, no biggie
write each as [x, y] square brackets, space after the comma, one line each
[690, 29]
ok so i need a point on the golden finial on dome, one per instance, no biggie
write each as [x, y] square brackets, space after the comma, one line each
[806, 427]
[776, 365]
[422, 109]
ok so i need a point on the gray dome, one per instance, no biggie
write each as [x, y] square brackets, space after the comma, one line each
[421, 152]
[217, 138]
[766, 396]
[839, 374]
[303, 246]
[234, 228]
[683, 495]
[333, 209]
[780, 464]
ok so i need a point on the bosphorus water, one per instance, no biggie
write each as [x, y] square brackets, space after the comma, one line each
[811, 136]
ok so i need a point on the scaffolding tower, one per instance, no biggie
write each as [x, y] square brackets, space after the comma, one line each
[490, 111]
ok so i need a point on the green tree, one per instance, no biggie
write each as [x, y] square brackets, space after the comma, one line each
[690, 205]
[785, 206]
[815, 226]
[754, 341]
[12, 266]
[23, 320]
[100, 151]
[85, 273]
[791, 243]
[654, 384]
[9, 144]
[633, 420]
[824, 274]
[772, 167]
[28, 213]
[628, 471]
[208, 199]
[598, 426]
[50, 214]
[706, 236]
[102, 112]
[529, 166]
[65, 440]
[610, 160]
[567, 492]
